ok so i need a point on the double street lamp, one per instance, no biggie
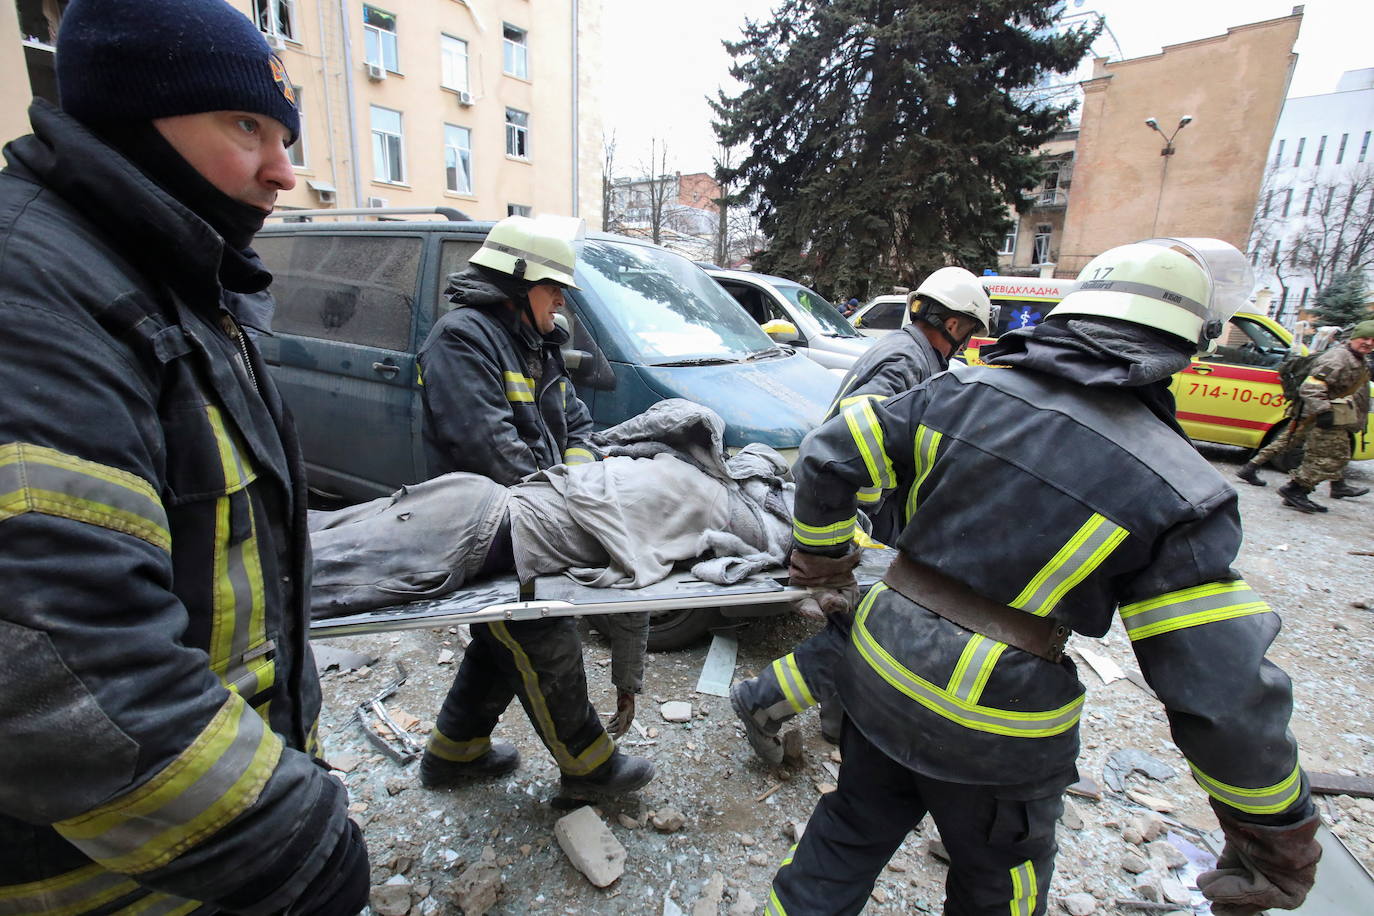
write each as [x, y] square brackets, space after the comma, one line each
[1167, 151]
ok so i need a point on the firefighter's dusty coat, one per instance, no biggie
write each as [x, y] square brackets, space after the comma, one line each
[1067, 502]
[498, 400]
[158, 698]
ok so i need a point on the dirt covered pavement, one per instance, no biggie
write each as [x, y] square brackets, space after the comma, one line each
[706, 836]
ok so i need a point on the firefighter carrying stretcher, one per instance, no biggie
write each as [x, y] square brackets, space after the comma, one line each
[1040, 495]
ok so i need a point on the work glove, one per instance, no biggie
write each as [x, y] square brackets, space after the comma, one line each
[624, 714]
[1326, 420]
[834, 590]
[1262, 867]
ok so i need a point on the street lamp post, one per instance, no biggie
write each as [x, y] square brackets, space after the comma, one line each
[1166, 152]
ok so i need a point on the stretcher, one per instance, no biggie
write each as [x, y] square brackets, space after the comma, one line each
[504, 598]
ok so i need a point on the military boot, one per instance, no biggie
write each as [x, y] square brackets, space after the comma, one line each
[1249, 472]
[1295, 495]
[1342, 490]
[617, 776]
[438, 773]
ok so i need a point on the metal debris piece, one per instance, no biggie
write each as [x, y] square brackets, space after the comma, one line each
[402, 747]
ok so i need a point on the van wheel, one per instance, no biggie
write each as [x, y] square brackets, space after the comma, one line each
[680, 629]
[1289, 459]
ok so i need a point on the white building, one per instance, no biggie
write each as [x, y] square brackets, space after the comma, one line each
[1318, 194]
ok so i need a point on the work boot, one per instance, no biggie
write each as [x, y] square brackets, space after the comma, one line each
[1342, 490]
[1295, 495]
[1249, 472]
[438, 773]
[619, 775]
[762, 735]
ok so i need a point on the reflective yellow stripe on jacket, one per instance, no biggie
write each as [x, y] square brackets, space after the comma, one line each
[217, 778]
[925, 445]
[1264, 800]
[1191, 607]
[1084, 552]
[578, 455]
[518, 387]
[238, 631]
[34, 478]
[868, 437]
[947, 701]
[1024, 889]
[85, 889]
[824, 535]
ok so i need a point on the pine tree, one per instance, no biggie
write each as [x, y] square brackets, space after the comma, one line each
[1343, 301]
[888, 139]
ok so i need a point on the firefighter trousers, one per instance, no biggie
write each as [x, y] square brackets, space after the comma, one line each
[1001, 850]
[801, 679]
[539, 661]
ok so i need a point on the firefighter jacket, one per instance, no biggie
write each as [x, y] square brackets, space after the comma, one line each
[898, 361]
[498, 400]
[158, 699]
[1338, 381]
[1064, 500]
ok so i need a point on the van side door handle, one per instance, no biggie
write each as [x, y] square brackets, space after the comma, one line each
[1203, 370]
[387, 370]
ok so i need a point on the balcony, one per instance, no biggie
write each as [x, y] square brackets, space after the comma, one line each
[1048, 198]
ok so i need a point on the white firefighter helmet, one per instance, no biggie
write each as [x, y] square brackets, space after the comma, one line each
[1185, 287]
[959, 291]
[538, 249]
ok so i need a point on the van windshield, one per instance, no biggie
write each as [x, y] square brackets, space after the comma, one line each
[827, 320]
[671, 311]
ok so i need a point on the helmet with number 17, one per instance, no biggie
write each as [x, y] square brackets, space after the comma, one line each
[1184, 287]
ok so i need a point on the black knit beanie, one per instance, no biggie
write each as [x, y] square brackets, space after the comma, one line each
[141, 60]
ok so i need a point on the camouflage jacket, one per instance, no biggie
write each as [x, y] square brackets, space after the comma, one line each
[1339, 377]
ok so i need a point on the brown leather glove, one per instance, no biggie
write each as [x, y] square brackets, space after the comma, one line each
[624, 714]
[1262, 867]
[834, 590]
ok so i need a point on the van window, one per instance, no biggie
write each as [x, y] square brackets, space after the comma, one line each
[667, 306]
[1247, 343]
[885, 316]
[453, 257]
[347, 288]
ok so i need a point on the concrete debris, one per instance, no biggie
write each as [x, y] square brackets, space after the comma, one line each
[391, 898]
[759, 860]
[708, 903]
[670, 908]
[446, 656]
[825, 788]
[1174, 892]
[1134, 863]
[746, 840]
[937, 849]
[1103, 667]
[590, 846]
[629, 823]
[744, 905]
[344, 763]
[1071, 818]
[1125, 761]
[1086, 788]
[1150, 801]
[395, 785]
[1079, 904]
[327, 656]
[676, 711]
[797, 828]
[1166, 854]
[667, 820]
[879, 895]
[476, 890]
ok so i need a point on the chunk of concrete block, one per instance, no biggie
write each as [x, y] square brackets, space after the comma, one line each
[590, 846]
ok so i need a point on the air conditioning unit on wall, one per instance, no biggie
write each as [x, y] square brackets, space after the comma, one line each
[376, 72]
[464, 98]
[376, 201]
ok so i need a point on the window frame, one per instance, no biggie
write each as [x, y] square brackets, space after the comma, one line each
[369, 28]
[519, 210]
[460, 150]
[400, 143]
[445, 56]
[300, 137]
[273, 26]
[1009, 240]
[513, 53]
[515, 132]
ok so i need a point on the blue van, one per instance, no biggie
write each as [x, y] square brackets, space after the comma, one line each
[354, 301]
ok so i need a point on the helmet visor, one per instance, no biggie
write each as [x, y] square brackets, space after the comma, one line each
[1229, 274]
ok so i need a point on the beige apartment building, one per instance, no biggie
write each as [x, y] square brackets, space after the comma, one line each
[486, 106]
[1132, 182]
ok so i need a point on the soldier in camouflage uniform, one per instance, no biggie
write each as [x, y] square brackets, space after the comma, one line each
[1335, 400]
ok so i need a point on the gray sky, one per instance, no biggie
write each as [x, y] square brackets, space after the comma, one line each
[661, 58]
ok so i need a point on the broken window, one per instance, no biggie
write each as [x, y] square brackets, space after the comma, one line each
[276, 17]
[517, 133]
